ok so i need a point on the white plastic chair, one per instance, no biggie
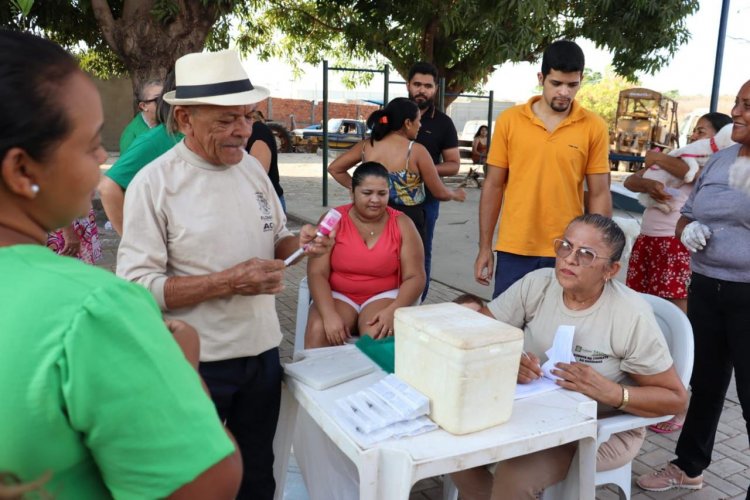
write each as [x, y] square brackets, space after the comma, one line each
[303, 308]
[679, 336]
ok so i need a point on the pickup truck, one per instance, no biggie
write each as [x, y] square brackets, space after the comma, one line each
[343, 133]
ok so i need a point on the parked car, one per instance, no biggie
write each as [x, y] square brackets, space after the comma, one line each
[343, 133]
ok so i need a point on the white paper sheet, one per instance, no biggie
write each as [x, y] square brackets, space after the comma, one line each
[560, 352]
[389, 408]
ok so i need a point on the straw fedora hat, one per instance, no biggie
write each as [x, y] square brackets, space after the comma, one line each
[216, 78]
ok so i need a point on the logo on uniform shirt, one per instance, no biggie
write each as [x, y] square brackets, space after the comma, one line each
[589, 356]
[266, 217]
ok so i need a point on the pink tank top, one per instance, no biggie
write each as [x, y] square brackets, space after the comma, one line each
[360, 272]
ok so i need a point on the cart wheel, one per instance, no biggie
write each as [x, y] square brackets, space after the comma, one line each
[283, 139]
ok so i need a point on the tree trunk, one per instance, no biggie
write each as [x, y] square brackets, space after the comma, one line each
[148, 47]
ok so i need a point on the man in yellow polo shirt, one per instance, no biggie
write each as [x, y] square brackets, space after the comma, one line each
[540, 154]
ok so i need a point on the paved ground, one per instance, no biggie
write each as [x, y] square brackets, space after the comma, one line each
[455, 249]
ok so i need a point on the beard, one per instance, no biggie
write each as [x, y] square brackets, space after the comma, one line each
[424, 102]
[560, 105]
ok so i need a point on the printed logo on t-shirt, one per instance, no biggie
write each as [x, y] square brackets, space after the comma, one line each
[265, 211]
[589, 356]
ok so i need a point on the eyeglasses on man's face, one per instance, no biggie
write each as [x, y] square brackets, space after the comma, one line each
[584, 256]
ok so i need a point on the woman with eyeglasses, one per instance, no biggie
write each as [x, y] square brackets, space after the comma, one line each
[621, 358]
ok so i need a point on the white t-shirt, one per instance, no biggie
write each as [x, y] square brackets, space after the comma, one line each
[617, 335]
[186, 217]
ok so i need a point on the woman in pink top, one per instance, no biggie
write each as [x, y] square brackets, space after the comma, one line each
[375, 266]
[659, 263]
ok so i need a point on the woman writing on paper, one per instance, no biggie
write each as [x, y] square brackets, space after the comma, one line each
[622, 359]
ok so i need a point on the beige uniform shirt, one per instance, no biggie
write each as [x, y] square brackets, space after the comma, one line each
[615, 336]
[186, 217]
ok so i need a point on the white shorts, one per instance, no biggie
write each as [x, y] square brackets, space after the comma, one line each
[390, 294]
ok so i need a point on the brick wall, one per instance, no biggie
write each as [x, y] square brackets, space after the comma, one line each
[305, 113]
[117, 99]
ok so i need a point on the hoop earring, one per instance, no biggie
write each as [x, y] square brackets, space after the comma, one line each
[35, 190]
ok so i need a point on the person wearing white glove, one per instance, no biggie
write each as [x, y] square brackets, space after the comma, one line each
[718, 301]
[695, 236]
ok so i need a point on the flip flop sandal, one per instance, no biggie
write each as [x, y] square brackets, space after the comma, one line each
[665, 427]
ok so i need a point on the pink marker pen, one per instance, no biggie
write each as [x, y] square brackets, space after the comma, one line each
[328, 224]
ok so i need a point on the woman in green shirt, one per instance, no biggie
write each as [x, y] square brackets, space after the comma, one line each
[94, 388]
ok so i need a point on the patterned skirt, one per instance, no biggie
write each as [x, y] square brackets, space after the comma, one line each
[85, 227]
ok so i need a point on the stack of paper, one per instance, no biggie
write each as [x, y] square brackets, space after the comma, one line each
[388, 408]
[321, 370]
[560, 352]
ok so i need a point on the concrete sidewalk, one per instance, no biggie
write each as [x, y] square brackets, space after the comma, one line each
[454, 251]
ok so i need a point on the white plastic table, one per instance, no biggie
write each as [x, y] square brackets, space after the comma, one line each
[389, 469]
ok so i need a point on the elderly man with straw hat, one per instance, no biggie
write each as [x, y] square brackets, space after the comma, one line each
[204, 231]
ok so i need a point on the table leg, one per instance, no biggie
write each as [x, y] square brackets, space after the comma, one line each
[282, 442]
[587, 468]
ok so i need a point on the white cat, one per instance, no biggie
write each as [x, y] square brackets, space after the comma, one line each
[695, 155]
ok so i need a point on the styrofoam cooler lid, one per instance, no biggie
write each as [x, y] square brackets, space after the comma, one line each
[457, 325]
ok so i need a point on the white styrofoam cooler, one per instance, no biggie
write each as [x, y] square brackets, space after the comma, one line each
[464, 361]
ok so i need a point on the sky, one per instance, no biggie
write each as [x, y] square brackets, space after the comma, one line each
[690, 71]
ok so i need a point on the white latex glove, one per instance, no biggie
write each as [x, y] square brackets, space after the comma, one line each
[695, 235]
[739, 175]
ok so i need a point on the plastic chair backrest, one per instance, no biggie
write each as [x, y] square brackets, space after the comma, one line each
[303, 307]
[678, 333]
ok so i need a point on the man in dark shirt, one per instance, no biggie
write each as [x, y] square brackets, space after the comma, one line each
[438, 135]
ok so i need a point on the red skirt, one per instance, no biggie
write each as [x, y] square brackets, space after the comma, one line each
[659, 265]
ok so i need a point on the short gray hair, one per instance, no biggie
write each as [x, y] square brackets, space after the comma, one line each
[150, 83]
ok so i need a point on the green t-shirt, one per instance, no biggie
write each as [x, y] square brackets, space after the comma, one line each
[136, 127]
[145, 149]
[93, 386]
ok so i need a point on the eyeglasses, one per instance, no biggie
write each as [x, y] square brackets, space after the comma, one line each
[584, 256]
[147, 101]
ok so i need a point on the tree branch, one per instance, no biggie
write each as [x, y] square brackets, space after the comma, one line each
[105, 20]
[306, 14]
[132, 9]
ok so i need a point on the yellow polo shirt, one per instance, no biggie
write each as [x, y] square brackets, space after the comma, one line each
[544, 191]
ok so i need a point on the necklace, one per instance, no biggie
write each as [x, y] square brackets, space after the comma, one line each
[366, 229]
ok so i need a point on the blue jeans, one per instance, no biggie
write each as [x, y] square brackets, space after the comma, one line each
[431, 213]
[510, 267]
[247, 395]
